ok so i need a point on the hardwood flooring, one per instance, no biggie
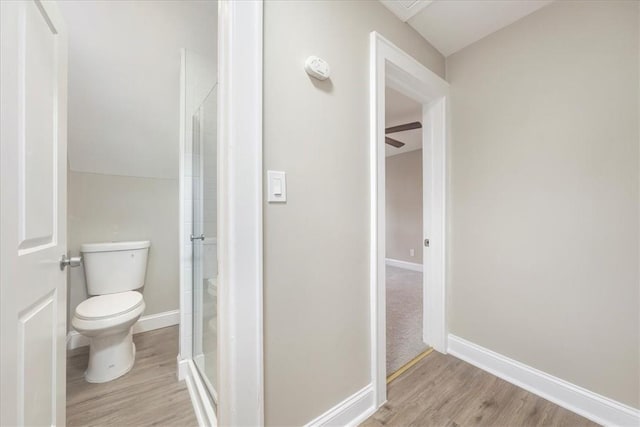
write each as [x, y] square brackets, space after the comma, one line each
[441, 390]
[150, 394]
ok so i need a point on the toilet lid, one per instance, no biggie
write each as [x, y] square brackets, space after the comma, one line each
[102, 306]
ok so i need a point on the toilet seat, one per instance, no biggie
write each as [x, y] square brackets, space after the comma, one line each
[109, 313]
[110, 305]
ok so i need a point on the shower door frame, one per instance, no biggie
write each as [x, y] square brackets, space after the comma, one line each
[198, 246]
[240, 299]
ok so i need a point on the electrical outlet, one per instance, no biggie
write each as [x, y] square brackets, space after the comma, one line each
[412, 252]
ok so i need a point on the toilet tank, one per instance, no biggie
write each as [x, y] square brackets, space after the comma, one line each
[115, 266]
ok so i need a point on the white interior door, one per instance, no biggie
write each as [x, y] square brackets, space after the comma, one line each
[33, 159]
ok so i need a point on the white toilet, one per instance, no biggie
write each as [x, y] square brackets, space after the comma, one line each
[113, 272]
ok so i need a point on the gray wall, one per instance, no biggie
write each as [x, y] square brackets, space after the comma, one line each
[545, 194]
[104, 208]
[404, 206]
[316, 246]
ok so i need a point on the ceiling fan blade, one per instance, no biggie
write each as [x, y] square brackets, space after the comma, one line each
[406, 126]
[393, 142]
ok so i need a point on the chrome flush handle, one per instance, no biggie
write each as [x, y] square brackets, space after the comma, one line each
[201, 237]
[74, 261]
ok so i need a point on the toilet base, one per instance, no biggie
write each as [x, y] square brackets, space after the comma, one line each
[110, 357]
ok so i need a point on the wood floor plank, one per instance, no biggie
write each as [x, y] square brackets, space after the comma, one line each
[150, 394]
[442, 390]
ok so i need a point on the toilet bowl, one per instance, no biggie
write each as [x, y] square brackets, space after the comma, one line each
[107, 320]
[113, 272]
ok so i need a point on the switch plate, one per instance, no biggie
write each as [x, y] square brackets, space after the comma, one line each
[276, 186]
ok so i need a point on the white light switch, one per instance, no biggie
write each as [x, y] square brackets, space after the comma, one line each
[277, 186]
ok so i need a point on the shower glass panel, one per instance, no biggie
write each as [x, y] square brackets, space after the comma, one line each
[204, 241]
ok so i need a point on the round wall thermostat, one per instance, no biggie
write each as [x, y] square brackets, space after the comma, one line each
[317, 67]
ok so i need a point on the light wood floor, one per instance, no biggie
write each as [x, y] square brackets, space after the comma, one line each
[444, 391]
[150, 394]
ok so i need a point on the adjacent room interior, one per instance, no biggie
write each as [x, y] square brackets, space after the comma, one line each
[404, 232]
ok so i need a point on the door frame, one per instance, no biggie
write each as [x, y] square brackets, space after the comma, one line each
[240, 306]
[390, 66]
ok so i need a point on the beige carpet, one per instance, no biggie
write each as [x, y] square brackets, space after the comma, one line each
[404, 317]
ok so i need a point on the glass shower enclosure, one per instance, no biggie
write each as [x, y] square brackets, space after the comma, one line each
[204, 242]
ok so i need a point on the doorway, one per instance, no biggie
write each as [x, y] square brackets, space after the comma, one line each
[404, 229]
[393, 68]
[33, 192]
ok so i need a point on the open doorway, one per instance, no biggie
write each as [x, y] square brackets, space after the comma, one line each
[404, 226]
[126, 184]
[390, 67]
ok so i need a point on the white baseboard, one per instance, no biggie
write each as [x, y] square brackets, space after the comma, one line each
[350, 412]
[198, 394]
[146, 323]
[595, 407]
[157, 321]
[403, 264]
[183, 368]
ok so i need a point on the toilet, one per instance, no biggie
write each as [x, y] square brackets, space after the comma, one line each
[114, 273]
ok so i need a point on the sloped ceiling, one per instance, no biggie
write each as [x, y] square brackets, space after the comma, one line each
[124, 81]
[451, 25]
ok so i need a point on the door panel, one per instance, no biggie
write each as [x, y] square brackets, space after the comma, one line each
[37, 380]
[33, 154]
[37, 139]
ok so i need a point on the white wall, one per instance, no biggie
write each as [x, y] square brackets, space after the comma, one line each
[110, 208]
[316, 246]
[124, 112]
[545, 194]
